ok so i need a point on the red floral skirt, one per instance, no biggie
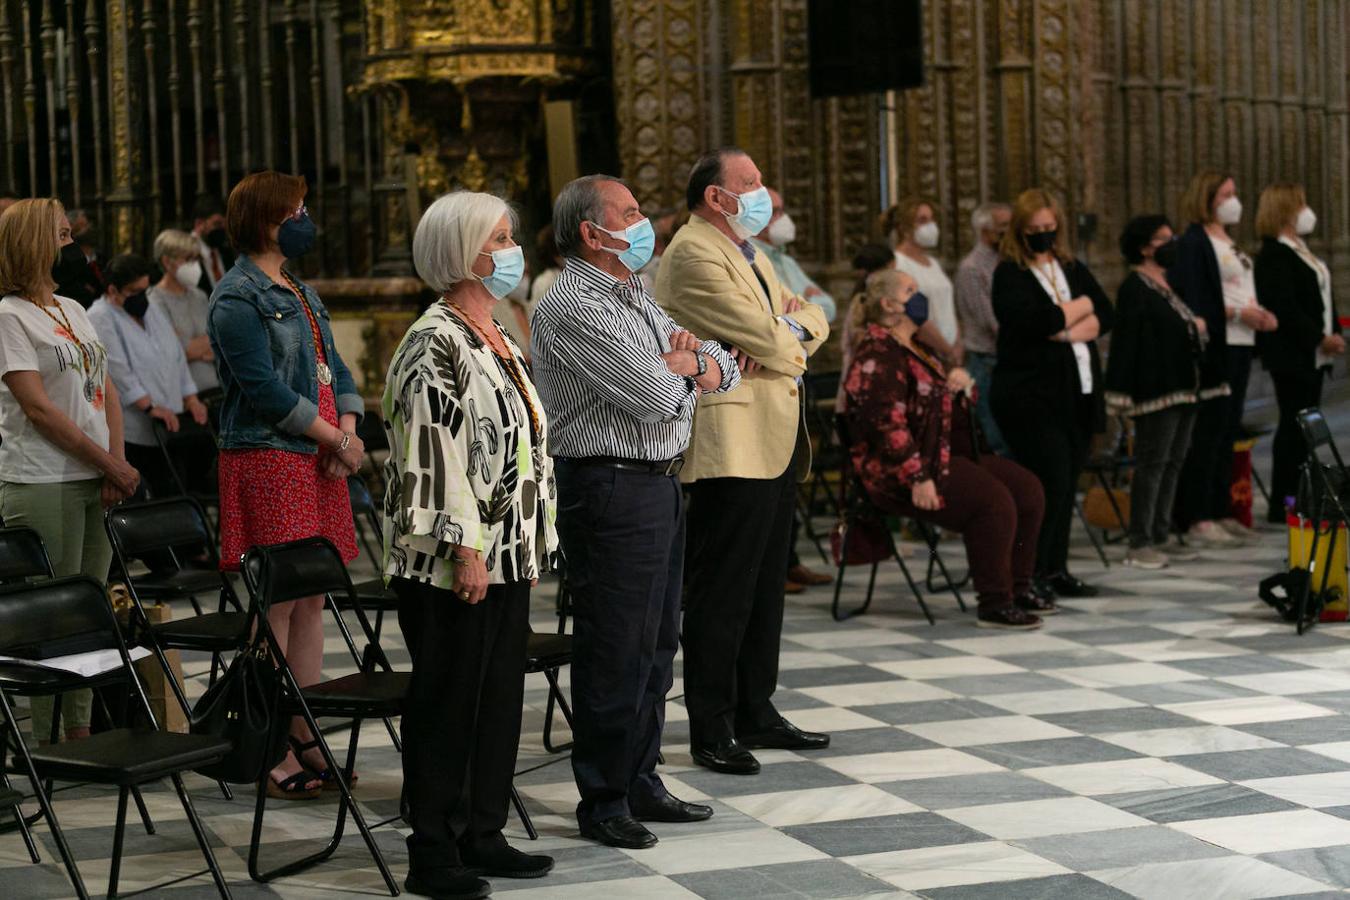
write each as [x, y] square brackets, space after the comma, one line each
[274, 496]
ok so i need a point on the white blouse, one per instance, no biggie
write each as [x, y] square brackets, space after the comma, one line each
[1324, 285]
[468, 459]
[1055, 283]
[937, 287]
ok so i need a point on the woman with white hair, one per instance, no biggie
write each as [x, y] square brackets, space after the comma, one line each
[178, 297]
[469, 527]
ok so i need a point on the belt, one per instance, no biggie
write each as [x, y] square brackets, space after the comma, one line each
[666, 467]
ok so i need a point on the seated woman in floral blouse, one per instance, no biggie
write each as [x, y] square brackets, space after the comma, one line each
[913, 446]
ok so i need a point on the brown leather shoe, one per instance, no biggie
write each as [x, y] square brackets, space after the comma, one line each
[792, 587]
[802, 575]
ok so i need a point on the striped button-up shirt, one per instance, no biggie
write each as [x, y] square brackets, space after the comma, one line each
[596, 345]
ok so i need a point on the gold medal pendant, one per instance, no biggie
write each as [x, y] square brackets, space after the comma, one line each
[325, 374]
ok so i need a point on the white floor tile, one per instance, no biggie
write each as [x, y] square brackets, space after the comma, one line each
[1039, 703]
[1319, 791]
[959, 864]
[653, 888]
[723, 850]
[1246, 710]
[1038, 818]
[831, 719]
[987, 730]
[1008, 644]
[850, 801]
[1229, 877]
[1121, 776]
[878, 768]
[1122, 675]
[1199, 739]
[948, 667]
[1296, 829]
[845, 639]
[1302, 681]
[1175, 651]
[873, 693]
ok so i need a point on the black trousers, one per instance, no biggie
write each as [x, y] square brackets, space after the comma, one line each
[622, 534]
[1203, 492]
[733, 619]
[461, 727]
[1160, 442]
[1294, 391]
[1054, 450]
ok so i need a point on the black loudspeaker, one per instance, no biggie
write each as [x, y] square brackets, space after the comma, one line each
[865, 46]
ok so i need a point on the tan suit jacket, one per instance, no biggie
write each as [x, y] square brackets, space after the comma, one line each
[707, 287]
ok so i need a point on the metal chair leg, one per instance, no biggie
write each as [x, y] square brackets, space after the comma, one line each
[835, 612]
[555, 695]
[1096, 544]
[118, 834]
[221, 887]
[524, 815]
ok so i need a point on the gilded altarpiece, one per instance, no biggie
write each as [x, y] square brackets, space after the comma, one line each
[1114, 104]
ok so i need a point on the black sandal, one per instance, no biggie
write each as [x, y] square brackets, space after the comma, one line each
[294, 788]
[326, 774]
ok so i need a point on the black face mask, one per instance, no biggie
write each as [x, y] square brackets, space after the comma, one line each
[1166, 255]
[1041, 241]
[71, 269]
[136, 305]
[217, 239]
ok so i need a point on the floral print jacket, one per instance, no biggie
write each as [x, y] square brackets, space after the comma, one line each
[899, 417]
[468, 459]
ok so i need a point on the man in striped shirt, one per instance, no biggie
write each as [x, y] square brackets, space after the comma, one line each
[619, 381]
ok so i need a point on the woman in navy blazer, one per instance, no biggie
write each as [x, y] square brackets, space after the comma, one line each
[1214, 277]
[1296, 286]
[1047, 390]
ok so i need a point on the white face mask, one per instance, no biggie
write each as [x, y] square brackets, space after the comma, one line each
[1306, 221]
[926, 235]
[782, 231]
[1229, 212]
[189, 273]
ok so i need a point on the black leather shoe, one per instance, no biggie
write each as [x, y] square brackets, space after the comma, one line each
[620, 831]
[1039, 605]
[506, 862]
[670, 809]
[447, 884]
[1066, 585]
[728, 756]
[785, 736]
[1040, 586]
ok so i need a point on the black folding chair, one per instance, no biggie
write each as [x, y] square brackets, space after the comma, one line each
[827, 456]
[23, 555]
[72, 615]
[1330, 484]
[371, 593]
[199, 437]
[171, 529]
[292, 571]
[860, 512]
[936, 562]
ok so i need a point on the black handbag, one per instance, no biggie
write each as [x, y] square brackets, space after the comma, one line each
[243, 708]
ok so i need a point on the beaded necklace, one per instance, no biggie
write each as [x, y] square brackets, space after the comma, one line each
[86, 366]
[504, 355]
[322, 369]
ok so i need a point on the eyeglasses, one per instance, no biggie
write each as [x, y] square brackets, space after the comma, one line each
[300, 212]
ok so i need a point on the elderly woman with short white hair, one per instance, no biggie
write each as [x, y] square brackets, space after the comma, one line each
[469, 524]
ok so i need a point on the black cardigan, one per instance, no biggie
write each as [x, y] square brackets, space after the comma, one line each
[1287, 286]
[1154, 361]
[1196, 278]
[1036, 378]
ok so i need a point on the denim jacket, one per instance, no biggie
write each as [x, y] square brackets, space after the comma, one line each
[264, 351]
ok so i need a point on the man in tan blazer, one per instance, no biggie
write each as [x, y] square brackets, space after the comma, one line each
[747, 451]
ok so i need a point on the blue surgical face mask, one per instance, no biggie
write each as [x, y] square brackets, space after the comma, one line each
[296, 236]
[753, 214]
[916, 308]
[641, 242]
[508, 265]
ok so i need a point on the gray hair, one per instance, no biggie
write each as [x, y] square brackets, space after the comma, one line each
[451, 233]
[983, 216]
[579, 201]
[174, 244]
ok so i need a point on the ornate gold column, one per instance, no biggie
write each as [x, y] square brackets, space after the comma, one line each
[658, 56]
[122, 198]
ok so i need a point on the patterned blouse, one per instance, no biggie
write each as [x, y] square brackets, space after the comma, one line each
[899, 417]
[465, 464]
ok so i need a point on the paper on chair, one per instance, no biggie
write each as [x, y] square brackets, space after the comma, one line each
[86, 665]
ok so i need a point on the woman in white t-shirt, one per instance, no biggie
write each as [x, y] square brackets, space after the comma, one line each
[913, 230]
[61, 453]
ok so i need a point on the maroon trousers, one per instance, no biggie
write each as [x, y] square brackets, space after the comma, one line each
[997, 507]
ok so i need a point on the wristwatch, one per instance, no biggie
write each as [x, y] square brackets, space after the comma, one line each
[702, 363]
[345, 442]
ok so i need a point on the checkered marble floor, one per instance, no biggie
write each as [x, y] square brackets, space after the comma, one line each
[1167, 739]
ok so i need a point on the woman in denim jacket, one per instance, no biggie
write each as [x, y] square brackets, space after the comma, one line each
[287, 425]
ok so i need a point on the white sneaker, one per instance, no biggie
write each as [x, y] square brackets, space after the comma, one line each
[1146, 558]
[1238, 530]
[1211, 534]
[1176, 550]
